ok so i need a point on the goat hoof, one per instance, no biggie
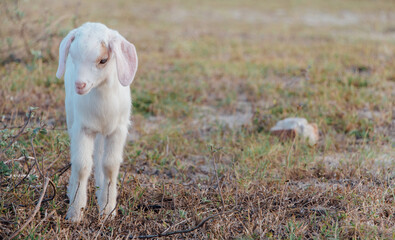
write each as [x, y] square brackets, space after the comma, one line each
[74, 216]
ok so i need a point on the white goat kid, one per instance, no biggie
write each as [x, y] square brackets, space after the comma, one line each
[99, 65]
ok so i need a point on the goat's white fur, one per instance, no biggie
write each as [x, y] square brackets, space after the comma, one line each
[97, 113]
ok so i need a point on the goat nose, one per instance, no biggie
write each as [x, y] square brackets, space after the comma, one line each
[80, 85]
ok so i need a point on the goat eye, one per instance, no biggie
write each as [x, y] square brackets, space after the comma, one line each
[103, 61]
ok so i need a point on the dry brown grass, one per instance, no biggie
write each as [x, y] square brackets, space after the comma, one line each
[213, 77]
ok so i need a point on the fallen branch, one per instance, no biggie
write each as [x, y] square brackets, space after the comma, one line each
[36, 209]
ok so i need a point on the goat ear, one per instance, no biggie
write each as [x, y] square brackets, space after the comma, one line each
[64, 52]
[126, 59]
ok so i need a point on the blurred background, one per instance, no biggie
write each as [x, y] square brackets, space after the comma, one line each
[276, 58]
[35, 27]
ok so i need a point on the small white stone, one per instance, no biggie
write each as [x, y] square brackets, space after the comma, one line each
[300, 126]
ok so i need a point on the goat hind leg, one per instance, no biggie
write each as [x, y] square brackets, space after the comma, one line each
[112, 159]
[98, 160]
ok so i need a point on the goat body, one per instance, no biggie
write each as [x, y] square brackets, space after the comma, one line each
[99, 65]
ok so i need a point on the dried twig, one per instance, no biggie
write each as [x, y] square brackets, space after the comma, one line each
[163, 234]
[54, 161]
[214, 150]
[23, 179]
[29, 116]
[45, 218]
[19, 159]
[35, 158]
[62, 170]
[54, 192]
[183, 221]
[36, 209]
[43, 201]
[290, 151]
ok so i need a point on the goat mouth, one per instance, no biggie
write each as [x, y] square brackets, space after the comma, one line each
[82, 91]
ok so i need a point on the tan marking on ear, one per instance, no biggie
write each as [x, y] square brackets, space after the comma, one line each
[104, 54]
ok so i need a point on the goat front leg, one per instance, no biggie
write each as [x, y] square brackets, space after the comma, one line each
[81, 166]
[112, 158]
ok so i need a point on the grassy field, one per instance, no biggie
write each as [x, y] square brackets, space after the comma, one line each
[213, 78]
